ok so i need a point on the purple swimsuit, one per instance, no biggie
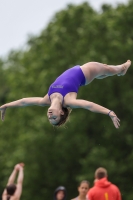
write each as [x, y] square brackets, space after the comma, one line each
[69, 81]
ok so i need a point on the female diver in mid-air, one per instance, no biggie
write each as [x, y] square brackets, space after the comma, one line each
[62, 93]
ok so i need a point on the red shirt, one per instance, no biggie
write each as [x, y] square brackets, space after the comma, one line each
[104, 190]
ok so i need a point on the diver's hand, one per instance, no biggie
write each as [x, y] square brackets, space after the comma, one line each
[3, 111]
[115, 119]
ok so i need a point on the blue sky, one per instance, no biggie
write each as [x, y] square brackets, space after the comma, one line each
[20, 18]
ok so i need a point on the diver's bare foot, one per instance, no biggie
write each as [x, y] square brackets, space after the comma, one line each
[125, 67]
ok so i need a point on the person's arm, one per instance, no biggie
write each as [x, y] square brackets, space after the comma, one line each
[20, 178]
[12, 176]
[4, 195]
[10, 181]
[39, 101]
[93, 107]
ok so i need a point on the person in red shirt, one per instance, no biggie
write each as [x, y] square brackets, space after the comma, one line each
[103, 189]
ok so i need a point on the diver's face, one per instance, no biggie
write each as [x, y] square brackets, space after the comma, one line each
[54, 115]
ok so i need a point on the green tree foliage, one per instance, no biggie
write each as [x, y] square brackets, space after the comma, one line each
[65, 156]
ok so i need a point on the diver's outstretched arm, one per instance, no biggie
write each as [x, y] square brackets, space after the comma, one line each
[93, 107]
[39, 101]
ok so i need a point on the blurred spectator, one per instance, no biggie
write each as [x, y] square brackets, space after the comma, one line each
[13, 191]
[82, 190]
[103, 189]
[60, 193]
